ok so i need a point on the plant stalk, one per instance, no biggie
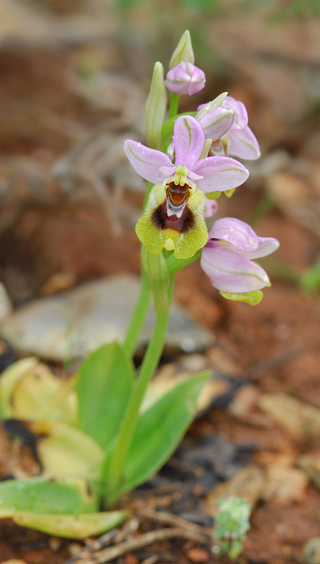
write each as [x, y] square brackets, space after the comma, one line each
[148, 367]
[139, 316]
[174, 104]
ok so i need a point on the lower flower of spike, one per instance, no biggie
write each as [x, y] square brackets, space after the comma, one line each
[173, 219]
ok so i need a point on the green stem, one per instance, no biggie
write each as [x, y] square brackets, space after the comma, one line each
[149, 364]
[139, 316]
[174, 104]
[174, 264]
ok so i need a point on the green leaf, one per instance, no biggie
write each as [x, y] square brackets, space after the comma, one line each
[47, 495]
[79, 526]
[160, 429]
[104, 387]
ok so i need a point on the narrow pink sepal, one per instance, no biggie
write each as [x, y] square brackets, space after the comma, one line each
[147, 162]
[242, 143]
[240, 111]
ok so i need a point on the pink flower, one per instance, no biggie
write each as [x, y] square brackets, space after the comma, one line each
[227, 257]
[210, 174]
[238, 140]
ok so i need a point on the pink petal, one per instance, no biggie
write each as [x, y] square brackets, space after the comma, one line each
[231, 272]
[216, 122]
[220, 174]
[240, 111]
[238, 236]
[188, 140]
[243, 143]
[147, 162]
[237, 233]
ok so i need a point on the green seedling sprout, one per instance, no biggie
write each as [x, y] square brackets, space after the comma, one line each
[231, 526]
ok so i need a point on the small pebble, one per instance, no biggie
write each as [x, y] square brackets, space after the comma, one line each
[198, 555]
[74, 549]
[14, 561]
[131, 558]
[55, 543]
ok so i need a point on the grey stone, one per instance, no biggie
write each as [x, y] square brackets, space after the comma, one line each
[311, 551]
[72, 324]
[5, 304]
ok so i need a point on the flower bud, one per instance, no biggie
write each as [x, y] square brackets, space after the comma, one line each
[155, 107]
[185, 78]
[183, 51]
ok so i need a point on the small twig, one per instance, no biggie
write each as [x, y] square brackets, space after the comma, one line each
[103, 193]
[151, 559]
[102, 541]
[170, 519]
[272, 363]
[130, 545]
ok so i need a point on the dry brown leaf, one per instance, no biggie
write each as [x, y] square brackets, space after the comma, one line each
[248, 484]
[299, 419]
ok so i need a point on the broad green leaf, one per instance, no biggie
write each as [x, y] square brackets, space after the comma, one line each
[167, 379]
[47, 495]
[78, 526]
[104, 387]
[9, 379]
[66, 451]
[160, 429]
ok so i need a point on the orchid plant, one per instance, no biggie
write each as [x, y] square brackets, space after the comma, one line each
[102, 429]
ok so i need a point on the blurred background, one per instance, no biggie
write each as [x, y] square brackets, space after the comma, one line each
[74, 76]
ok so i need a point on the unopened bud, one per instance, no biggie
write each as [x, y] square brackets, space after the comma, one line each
[185, 78]
[156, 107]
